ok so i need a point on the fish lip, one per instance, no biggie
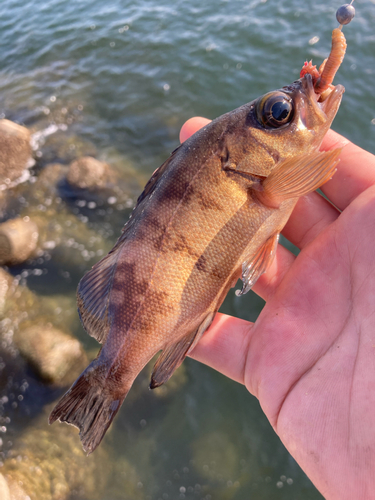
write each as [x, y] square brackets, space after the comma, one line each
[330, 105]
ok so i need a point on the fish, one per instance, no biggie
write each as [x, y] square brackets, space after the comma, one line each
[211, 214]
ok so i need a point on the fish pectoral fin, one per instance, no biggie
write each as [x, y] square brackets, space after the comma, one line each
[172, 357]
[93, 296]
[298, 176]
[258, 264]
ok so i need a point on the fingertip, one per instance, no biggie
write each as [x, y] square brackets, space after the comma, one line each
[191, 126]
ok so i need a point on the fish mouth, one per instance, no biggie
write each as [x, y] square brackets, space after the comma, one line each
[332, 98]
[332, 101]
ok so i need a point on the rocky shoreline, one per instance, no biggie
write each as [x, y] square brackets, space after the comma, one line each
[44, 230]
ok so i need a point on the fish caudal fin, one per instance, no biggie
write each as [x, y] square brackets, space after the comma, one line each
[90, 406]
[298, 176]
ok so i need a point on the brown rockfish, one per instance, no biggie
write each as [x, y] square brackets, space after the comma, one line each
[211, 214]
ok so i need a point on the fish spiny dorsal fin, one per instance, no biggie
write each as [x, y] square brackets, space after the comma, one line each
[172, 357]
[156, 176]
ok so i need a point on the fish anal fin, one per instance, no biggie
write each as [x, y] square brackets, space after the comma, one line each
[298, 176]
[172, 357]
[93, 295]
[258, 264]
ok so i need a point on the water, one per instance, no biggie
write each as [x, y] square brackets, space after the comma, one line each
[119, 79]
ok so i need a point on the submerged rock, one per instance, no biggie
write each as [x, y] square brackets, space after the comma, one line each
[47, 463]
[18, 240]
[56, 356]
[89, 173]
[26, 322]
[15, 150]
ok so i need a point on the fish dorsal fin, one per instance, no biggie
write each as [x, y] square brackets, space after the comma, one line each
[94, 289]
[258, 264]
[172, 357]
[93, 296]
[154, 179]
[298, 176]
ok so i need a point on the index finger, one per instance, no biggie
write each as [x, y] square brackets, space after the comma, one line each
[191, 126]
[355, 172]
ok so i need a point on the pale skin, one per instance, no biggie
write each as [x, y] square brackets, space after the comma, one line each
[310, 356]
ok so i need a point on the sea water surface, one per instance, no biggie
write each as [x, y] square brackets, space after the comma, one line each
[118, 79]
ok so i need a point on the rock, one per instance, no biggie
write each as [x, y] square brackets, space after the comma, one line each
[18, 240]
[57, 357]
[26, 325]
[4, 490]
[6, 281]
[89, 173]
[15, 150]
[47, 463]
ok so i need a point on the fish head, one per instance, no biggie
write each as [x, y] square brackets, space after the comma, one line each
[311, 119]
[282, 124]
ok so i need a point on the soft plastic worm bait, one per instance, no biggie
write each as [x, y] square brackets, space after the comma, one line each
[323, 78]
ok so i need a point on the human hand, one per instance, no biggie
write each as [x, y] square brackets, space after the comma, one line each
[310, 356]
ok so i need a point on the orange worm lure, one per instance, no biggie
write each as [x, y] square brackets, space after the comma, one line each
[323, 78]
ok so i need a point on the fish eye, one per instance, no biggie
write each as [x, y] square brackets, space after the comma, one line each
[274, 110]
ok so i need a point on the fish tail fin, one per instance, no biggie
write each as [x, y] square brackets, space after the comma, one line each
[90, 406]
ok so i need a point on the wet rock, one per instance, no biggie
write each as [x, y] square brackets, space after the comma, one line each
[56, 356]
[15, 150]
[4, 489]
[89, 173]
[18, 240]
